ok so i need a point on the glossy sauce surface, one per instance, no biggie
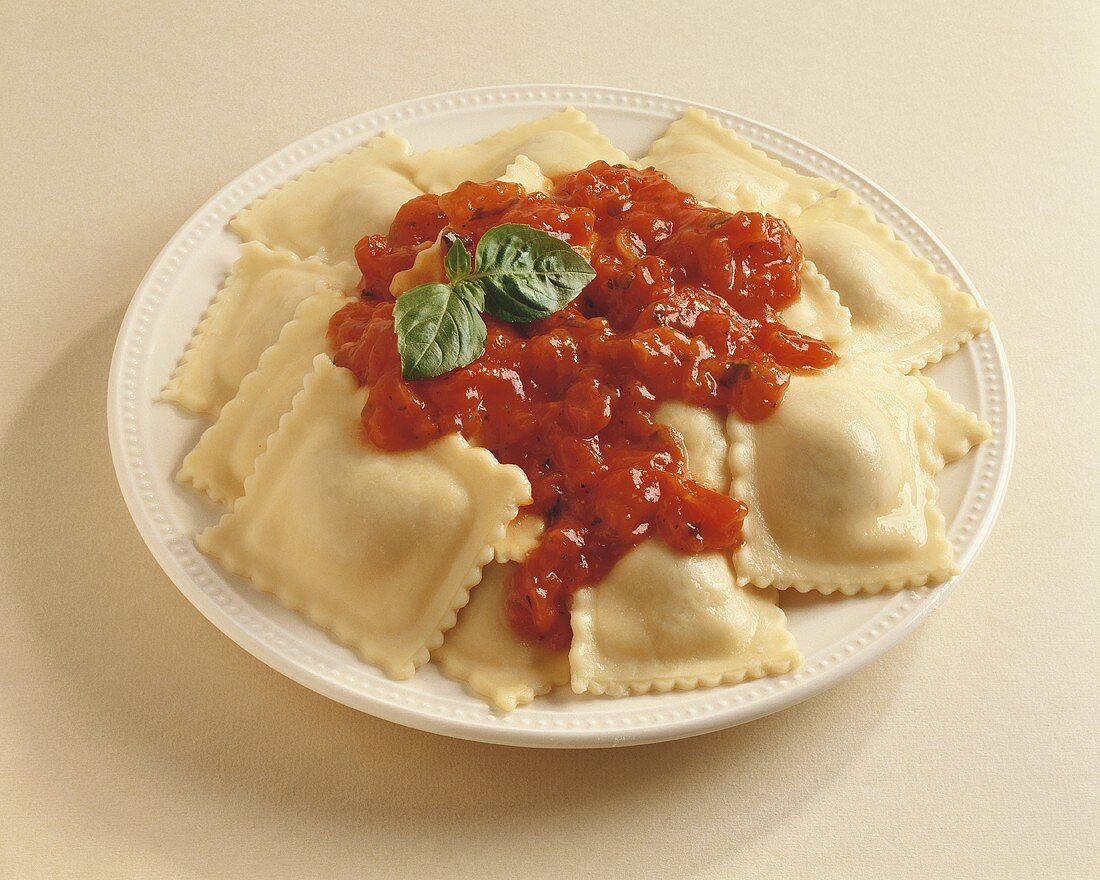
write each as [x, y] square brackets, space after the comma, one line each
[684, 307]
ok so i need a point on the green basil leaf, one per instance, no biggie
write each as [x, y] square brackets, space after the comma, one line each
[439, 329]
[521, 274]
[526, 273]
[457, 261]
[471, 291]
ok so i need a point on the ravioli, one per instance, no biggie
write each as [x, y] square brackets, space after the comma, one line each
[703, 157]
[818, 311]
[226, 452]
[426, 268]
[378, 548]
[662, 621]
[484, 652]
[406, 557]
[838, 481]
[704, 439]
[258, 298]
[520, 538]
[904, 314]
[526, 173]
[560, 143]
[327, 210]
[957, 430]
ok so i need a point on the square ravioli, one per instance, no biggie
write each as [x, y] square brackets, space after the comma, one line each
[226, 452]
[378, 548]
[703, 439]
[520, 538]
[904, 313]
[558, 144]
[703, 157]
[406, 554]
[526, 172]
[259, 297]
[957, 430]
[818, 311]
[486, 654]
[838, 481]
[327, 210]
[662, 621]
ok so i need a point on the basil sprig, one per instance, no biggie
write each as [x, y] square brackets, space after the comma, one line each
[438, 328]
[519, 274]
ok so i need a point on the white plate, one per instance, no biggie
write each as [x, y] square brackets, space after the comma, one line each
[149, 439]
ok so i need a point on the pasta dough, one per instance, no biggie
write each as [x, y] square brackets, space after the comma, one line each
[527, 174]
[838, 481]
[489, 657]
[520, 538]
[904, 313]
[559, 143]
[702, 157]
[406, 556]
[704, 437]
[259, 297]
[327, 210]
[818, 311]
[426, 268]
[662, 620]
[379, 548]
[227, 451]
[957, 430]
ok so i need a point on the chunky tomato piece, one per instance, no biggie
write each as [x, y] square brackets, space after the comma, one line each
[683, 307]
[417, 221]
[379, 261]
[794, 350]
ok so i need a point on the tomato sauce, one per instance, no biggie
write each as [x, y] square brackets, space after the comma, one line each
[684, 306]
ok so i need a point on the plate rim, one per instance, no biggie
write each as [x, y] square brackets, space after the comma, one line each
[313, 149]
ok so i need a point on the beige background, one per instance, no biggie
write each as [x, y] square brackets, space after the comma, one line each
[136, 741]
